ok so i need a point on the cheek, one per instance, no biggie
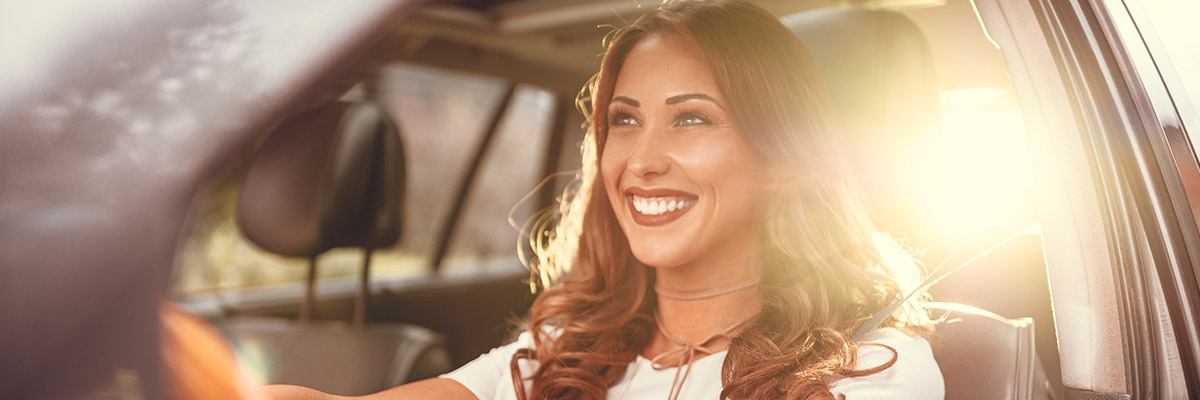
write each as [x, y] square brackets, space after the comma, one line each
[612, 164]
[721, 162]
[739, 177]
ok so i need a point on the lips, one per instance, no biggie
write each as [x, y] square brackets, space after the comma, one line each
[654, 207]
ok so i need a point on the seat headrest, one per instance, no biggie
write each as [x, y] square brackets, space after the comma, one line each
[332, 176]
[879, 71]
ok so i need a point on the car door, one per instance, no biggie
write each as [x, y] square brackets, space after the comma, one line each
[1116, 191]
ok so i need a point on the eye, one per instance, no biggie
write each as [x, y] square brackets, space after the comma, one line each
[623, 119]
[691, 118]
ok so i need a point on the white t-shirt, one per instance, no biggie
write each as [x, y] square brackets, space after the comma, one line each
[915, 375]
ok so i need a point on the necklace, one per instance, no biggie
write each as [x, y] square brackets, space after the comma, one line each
[682, 356]
[705, 294]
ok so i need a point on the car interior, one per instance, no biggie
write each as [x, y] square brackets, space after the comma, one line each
[877, 63]
[350, 205]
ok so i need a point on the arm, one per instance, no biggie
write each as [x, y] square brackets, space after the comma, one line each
[198, 364]
[434, 388]
[477, 379]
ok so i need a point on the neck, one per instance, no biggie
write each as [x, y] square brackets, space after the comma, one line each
[693, 320]
[694, 303]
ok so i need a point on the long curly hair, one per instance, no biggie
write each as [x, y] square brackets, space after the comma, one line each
[825, 270]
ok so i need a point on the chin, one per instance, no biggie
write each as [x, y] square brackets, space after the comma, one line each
[656, 258]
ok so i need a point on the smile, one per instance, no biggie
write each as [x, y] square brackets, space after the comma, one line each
[658, 206]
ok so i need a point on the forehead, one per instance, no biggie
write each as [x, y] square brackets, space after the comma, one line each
[660, 66]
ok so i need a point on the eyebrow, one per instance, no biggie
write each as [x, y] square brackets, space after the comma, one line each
[692, 96]
[676, 99]
[627, 100]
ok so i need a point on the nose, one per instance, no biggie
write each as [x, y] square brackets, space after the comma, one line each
[648, 158]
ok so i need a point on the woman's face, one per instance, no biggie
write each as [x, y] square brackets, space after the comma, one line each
[682, 179]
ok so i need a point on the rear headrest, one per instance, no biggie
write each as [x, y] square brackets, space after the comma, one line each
[880, 74]
[330, 177]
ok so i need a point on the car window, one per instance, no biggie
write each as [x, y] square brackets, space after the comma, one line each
[509, 170]
[1170, 29]
[442, 116]
[977, 174]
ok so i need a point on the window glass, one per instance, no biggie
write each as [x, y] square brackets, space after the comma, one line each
[977, 173]
[510, 169]
[1172, 24]
[442, 116]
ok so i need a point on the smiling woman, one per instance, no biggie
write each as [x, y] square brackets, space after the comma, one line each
[717, 106]
[686, 186]
[715, 245]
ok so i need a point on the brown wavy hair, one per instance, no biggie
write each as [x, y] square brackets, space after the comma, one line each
[825, 270]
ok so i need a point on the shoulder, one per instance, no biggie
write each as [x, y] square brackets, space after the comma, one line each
[915, 375]
[487, 375]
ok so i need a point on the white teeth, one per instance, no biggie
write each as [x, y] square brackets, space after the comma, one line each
[658, 206]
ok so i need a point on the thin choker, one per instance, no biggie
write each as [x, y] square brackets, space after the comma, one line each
[705, 294]
[681, 357]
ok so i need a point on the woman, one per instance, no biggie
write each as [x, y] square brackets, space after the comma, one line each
[714, 247]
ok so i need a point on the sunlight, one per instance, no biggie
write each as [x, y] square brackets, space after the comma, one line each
[978, 172]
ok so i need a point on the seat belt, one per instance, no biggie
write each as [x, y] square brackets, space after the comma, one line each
[996, 236]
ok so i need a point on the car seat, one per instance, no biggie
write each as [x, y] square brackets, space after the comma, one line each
[332, 176]
[984, 355]
[879, 70]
